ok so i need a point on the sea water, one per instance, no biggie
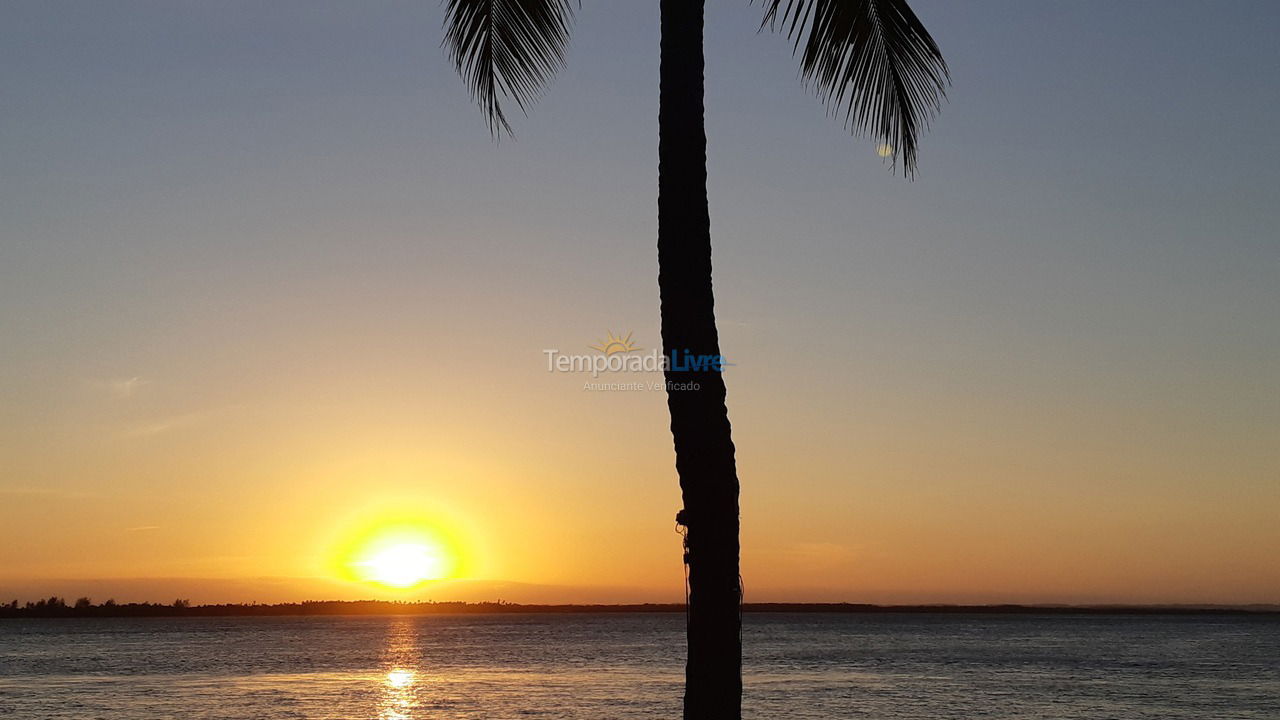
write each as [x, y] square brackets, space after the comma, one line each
[625, 666]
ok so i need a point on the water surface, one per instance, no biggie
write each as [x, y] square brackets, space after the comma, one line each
[596, 667]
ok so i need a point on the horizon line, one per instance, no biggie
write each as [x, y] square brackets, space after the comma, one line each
[56, 607]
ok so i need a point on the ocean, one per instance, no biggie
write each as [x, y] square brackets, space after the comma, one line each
[630, 666]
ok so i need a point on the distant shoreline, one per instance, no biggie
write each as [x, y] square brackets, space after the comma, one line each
[53, 609]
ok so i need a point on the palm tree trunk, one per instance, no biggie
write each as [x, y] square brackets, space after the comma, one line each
[699, 420]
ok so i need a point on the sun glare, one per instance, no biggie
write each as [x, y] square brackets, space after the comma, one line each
[399, 557]
[399, 678]
[398, 550]
[404, 565]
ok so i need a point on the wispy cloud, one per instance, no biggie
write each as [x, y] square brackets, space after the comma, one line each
[176, 422]
[163, 425]
[53, 493]
[142, 528]
[121, 388]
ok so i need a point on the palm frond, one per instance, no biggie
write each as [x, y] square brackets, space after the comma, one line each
[870, 60]
[507, 49]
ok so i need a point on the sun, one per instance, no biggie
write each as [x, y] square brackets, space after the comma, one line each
[404, 565]
[398, 556]
[400, 545]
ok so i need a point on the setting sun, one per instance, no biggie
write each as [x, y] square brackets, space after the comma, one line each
[398, 550]
[404, 565]
[400, 557]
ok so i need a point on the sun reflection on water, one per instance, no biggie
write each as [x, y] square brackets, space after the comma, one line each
[398, 686]
[400, 678]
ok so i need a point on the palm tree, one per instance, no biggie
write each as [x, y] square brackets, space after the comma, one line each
[871, 61]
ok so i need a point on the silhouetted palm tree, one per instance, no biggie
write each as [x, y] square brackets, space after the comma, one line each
[871, 61]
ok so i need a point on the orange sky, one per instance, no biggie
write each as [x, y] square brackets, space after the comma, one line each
[570, 494]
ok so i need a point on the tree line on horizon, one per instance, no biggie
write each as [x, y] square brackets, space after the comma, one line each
[57, 607]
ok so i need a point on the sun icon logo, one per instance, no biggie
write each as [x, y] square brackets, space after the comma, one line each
[615, 344]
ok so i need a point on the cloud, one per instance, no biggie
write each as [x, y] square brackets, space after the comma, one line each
[53, 493]
[142, 528]
[174, 422]
[120, 388]
[163, 425]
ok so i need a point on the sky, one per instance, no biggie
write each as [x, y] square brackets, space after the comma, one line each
[267, 283]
